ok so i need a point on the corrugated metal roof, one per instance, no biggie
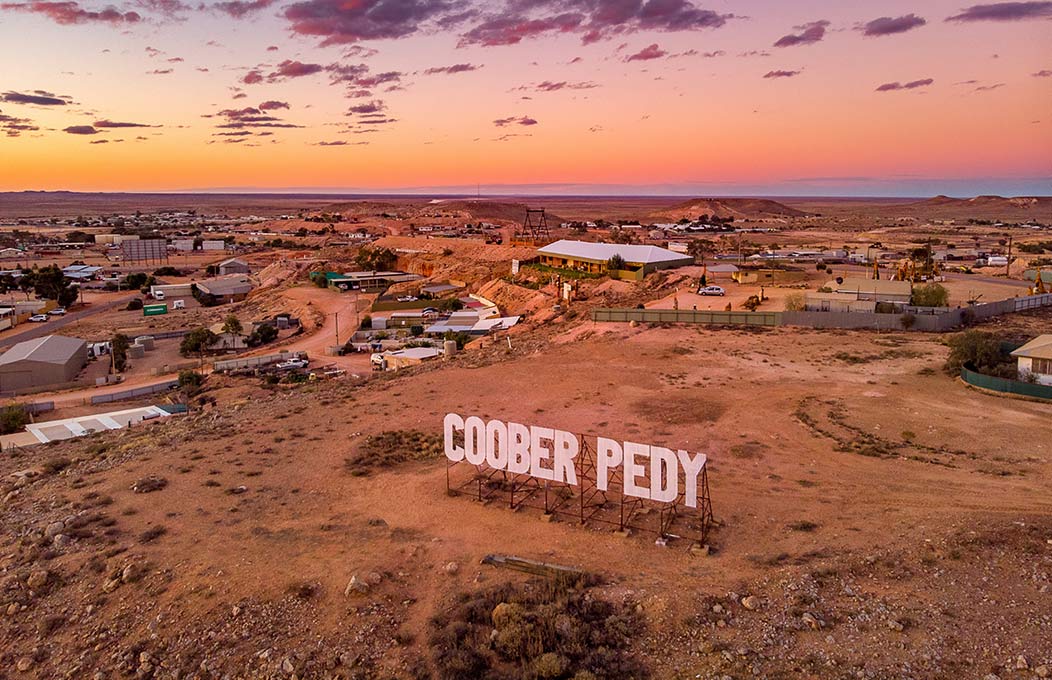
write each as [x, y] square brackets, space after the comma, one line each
[601, 252]
[1038, 348]
[51, 349]
[227, 285]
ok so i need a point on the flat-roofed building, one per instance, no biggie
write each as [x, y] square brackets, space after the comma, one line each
[593, 257]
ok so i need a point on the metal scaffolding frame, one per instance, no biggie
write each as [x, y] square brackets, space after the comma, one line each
[534, 230]
[585, 502]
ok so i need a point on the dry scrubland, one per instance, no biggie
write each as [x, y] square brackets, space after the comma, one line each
[878, 520]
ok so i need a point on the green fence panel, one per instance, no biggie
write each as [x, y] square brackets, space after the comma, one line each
[989, 382]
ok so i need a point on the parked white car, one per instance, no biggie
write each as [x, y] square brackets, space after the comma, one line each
[58, 311]
[712, 290]
[39, 318]
[291, 364]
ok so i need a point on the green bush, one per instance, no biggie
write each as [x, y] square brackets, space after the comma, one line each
[13, 418]
[134, 304]
[980, 351]
[930, 295]
[263, 334]
[190, 379]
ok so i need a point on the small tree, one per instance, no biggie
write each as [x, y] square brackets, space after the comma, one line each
[119, 347]
[197, 341]
[232, 325]
[615, 263]
[930, 295]
[263, 334]
[752, 303]
[450, 305]
[134, 304]
[795, 302]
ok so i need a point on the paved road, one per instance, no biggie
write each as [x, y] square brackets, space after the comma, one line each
[35, 330]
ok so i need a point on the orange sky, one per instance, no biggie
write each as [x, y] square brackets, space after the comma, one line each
[660, 96]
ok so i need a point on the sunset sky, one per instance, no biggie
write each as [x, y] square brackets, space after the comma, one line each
[528, 96]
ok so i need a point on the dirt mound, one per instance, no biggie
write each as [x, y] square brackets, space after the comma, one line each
[738, 208]
[492, 211]
[513, 299]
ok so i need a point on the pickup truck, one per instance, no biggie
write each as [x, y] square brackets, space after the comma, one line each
[292, 364]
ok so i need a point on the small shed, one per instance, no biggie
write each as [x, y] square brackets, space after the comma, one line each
[233, 266]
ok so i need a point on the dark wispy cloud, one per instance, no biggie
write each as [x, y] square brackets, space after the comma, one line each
[80, 130]
[273, 105]
[592, 19]
[1043, 73]
[70, 12]
[36, 98]
[807, 34]
[515, 120]
[120, 124]
[988, 88]
[291, 68]
[911, 85]
[241, 8]
[1005, 11]
[249, 118]
[503, 22]
[647, 53]
[781, 74]
[555, 86]
[892, 25]
[339, 21]
[449, 70]
[13, 126]
[374, 107]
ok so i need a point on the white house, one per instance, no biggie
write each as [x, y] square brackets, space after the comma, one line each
[1034, 359]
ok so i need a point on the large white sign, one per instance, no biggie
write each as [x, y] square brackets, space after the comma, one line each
[651, 472]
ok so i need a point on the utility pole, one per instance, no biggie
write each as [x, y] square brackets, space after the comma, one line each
[337, 329]
[1008, 265]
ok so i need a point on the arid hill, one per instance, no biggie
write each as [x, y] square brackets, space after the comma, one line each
[738, 208]
[493, 211]
[990, 202]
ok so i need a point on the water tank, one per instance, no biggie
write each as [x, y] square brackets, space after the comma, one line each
[146, 341]
[136, 352]
[449, 347]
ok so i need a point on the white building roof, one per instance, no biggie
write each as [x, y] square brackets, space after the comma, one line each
[601, 252]
[422, 353]
[1038, 348]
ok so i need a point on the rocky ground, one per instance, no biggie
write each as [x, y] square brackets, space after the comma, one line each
[877, 520]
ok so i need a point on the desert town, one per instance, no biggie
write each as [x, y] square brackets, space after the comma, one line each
[870, 383]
